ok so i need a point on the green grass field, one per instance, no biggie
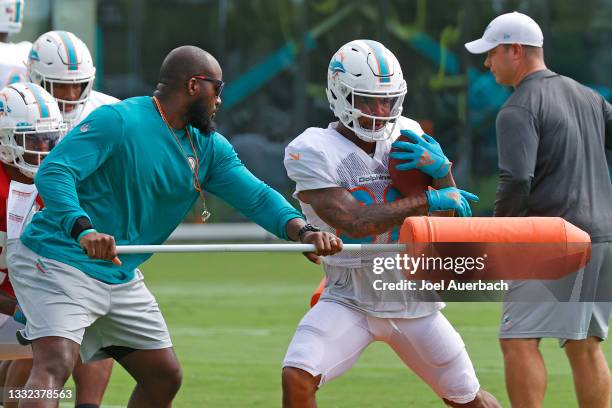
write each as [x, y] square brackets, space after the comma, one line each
[232, 316]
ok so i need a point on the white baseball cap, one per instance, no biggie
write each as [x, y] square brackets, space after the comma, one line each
[510, 28]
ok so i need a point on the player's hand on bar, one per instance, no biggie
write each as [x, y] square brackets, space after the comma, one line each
[100, 246]
[325, 243]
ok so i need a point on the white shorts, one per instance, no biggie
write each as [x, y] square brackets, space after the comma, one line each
[59, 300]
[331, 337]
[10, 349]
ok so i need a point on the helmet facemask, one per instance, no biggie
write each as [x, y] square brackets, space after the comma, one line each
[378, 129]
[27, 147]
[71, 110]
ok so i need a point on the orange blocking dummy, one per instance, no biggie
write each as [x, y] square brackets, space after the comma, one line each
[494, 248]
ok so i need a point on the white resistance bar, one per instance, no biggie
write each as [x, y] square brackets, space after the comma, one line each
[147, 249]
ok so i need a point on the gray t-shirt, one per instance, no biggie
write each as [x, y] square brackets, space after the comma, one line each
[551, 139]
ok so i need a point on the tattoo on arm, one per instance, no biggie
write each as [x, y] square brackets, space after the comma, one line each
[338, 208]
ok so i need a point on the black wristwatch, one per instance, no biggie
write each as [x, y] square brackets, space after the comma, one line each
[80, 225]
[307, 228]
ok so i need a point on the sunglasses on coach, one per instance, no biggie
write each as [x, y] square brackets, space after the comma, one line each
[218, 83]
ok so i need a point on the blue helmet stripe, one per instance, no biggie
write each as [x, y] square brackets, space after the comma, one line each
[18, 11]
[72, 59]
[382, 61]
[42, 105]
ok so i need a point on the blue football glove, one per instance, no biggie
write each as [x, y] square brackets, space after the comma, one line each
[18, 315]
[451, 198]
[424, 154]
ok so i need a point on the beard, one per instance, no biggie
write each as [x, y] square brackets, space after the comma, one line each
[200, 117]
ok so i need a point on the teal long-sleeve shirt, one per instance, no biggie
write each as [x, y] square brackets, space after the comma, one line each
[123, 169]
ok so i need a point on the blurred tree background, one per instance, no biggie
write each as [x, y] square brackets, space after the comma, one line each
[275, 54]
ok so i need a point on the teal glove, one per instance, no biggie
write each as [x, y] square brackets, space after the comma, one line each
[424, 154]
[18, 315]
[451, 198]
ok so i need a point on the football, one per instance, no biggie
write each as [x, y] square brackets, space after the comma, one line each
[408, 182]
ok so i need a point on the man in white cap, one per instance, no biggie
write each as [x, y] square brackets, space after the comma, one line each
[551, 134]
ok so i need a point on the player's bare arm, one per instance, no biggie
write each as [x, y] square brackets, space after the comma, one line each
[7, 304]
[446, 181]
[338, 208]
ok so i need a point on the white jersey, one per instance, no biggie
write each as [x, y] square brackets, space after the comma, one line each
[96, 99]
[323, 158]
[13, 60]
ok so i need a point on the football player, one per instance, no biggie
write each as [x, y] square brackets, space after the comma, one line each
[343, 185]
[61, 63]
[13, 56]
[30, 126]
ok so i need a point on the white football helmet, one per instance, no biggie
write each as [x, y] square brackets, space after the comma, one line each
[365, 73]
[60, 57]
[30, 126]
[11, 16]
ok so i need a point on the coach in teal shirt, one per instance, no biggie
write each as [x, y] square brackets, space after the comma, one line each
[125, 175]
[122, 172]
